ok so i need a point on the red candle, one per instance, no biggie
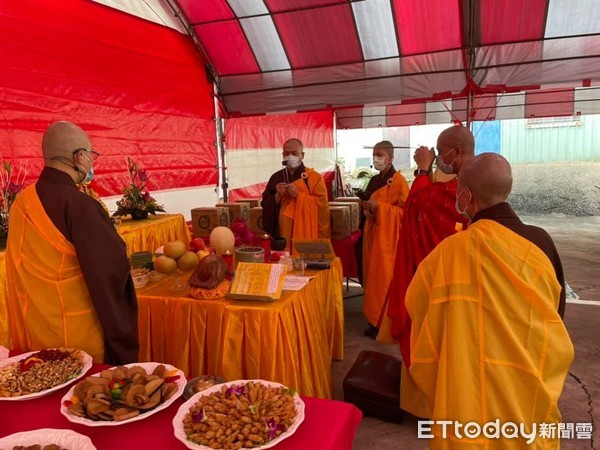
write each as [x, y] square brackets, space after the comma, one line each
[265, 243]
[228, 258]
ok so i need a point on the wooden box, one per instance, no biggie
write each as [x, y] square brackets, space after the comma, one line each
[354, 213]
[204, 220]
[340, 222]
[252, 202]
[347, 199]
[236, 211]
[255, 221]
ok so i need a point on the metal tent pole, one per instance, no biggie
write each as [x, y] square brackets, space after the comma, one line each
[220, 147]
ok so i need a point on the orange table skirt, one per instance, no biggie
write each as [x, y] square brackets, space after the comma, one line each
[4, 334]
[291, 341]
[149, 234]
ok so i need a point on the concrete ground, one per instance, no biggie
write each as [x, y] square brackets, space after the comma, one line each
[578, 242]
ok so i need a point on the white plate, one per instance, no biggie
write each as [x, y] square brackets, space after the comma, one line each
[87, 364]
[4, 352]
[149, 367]
[183, 410]
[47, 436]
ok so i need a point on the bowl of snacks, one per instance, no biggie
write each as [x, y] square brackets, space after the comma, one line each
[140, 277]
[200, 383]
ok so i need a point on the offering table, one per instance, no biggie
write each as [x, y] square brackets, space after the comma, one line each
[149, 234]
[290, 341]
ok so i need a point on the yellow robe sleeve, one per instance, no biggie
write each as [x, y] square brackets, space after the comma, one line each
[487, 342]
[307, 215]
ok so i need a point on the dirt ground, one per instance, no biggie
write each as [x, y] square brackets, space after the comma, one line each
[578, 243]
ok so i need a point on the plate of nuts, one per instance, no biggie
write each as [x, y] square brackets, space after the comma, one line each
[35, 374]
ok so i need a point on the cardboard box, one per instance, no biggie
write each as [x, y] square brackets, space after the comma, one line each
[252, 202]
[256, 222]
[204, 220]
[236, 211]
[354, 213]
[340, 222]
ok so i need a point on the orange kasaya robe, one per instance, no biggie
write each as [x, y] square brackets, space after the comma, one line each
[429, 217]
[487, 342]
[49, 304]
[379, 247]
[307, 215]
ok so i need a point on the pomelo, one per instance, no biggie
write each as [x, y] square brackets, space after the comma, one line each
[187, 261]
[164, 264]
[174, 249]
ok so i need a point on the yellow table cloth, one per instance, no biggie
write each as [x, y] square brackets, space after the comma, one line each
[291, 341]
[4, 335]
[149, 234]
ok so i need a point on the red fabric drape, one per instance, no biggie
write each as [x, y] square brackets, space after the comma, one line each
[139, 89]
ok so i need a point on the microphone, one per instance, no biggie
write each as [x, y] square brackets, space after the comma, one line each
[284, 163]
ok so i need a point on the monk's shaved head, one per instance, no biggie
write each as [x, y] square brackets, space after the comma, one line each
[386, 146]
[458, 136]
[62, 138]
[488, 177]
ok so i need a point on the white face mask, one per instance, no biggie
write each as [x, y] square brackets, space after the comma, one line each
[379, 163]
[443, 166]
[457, 206]
[292, 161]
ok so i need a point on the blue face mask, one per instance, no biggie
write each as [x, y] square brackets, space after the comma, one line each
[89, 175]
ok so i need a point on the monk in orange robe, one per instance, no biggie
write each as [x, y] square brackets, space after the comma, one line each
[487, 341]
[295, 204]
[68, 275]
[429, 217]
[386, 193]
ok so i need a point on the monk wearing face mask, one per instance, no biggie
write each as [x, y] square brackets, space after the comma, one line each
[429, 217]
[69, 283]
[294, 202]
[487, 339]
[382, 208]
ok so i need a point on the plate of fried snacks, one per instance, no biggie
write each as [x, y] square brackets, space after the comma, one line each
[242, 414]
[35, 374]
[47, 439]
[123, 394]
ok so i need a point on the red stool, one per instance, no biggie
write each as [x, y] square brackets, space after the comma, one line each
[373, 385]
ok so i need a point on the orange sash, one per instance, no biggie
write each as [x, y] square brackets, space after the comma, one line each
[48, 299]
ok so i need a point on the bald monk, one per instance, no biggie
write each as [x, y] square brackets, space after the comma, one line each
[429, 217]
[487, 340]
[68, 274]
[386, 193]
[294, 202]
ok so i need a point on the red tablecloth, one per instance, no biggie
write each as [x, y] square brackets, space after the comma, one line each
[328, 425]
[344, 249]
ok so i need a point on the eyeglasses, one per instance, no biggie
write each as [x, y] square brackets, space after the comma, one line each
[95, 154]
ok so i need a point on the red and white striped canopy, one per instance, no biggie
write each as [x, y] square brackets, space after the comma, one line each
[272, 56]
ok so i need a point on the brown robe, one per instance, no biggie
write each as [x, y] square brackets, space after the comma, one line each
[103, 259]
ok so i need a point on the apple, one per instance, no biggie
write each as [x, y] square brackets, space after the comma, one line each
[202, 254]
[197, 244]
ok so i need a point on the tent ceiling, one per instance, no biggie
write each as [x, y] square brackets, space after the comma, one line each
[273, 56]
